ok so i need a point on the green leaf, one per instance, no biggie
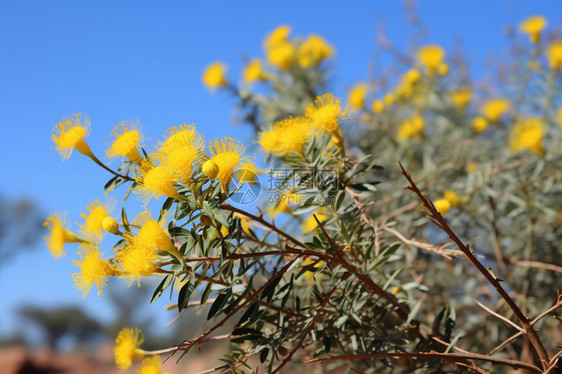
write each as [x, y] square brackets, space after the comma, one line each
[269, 290]
[206, 293]
[218, 303]
[161, 288]
[263, 355]
[125, 220]
[129, 190]
[179, 232]
[184, 295]
[252, 309]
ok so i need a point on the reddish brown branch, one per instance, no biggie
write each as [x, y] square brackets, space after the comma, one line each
[270, 226]
[438, 219]
[319, 313]
[450, 357]
[187, 345]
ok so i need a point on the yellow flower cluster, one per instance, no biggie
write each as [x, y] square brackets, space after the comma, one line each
[450, 199]
[214, 76]
[281, 53]
[291, 135]
[431, 57]
[159, 174]
[411, 128]
[528, 135]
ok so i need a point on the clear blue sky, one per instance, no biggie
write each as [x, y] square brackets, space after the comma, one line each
[62, 57]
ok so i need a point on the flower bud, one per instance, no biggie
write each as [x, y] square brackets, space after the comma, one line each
[110, 225]
[210, 169]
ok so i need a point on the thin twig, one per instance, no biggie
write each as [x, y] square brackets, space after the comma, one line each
[539, 265]
[185, 346]
[507, 341]
[549, 310]
[499, 316]
[270, 226]
[311, 325]
[450, 357]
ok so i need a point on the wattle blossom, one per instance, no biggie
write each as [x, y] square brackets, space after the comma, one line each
[127, 138]
[227, 154]
[59, 235]
[93, 269]
[127, 347]
[214, 76]
[97, 212]
[156, 180]
[70, 133]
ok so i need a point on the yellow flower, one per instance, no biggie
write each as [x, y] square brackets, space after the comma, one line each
[245, 223]
[471, 167]
[127, 347]
[461, 98]
[93, 270]
[254, 72]
[277, 36]
[493, 110]
[150, 365]
[309, 275]
[377, 106]
[357, 96]
[182, 149]
[431, 56]
[137, 261]
[554, 54]
[442, 205]
[213, 76]
[452, 196]
[70, 133]
[310, 225]
[247, 172]
[411, 128]
[411, 77]
[156, 180]
[282, 55]
[326, 112]
[153, 234]
[533, 26]
[313, 51]
[111, 225]
[59, 235]
[388, 99]
[227, 154]
[128, 137]
[289, 135]
[97, 212]
[528, 135]
[443, 69]
[479, 124]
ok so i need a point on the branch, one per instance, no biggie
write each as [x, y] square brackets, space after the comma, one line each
[270, 226]
[308, 329]
[539, 265]
[438, 219]
[507, 321]
[186, 345]
[450, 357]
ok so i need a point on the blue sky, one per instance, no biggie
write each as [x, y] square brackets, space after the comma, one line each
[62, 57]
